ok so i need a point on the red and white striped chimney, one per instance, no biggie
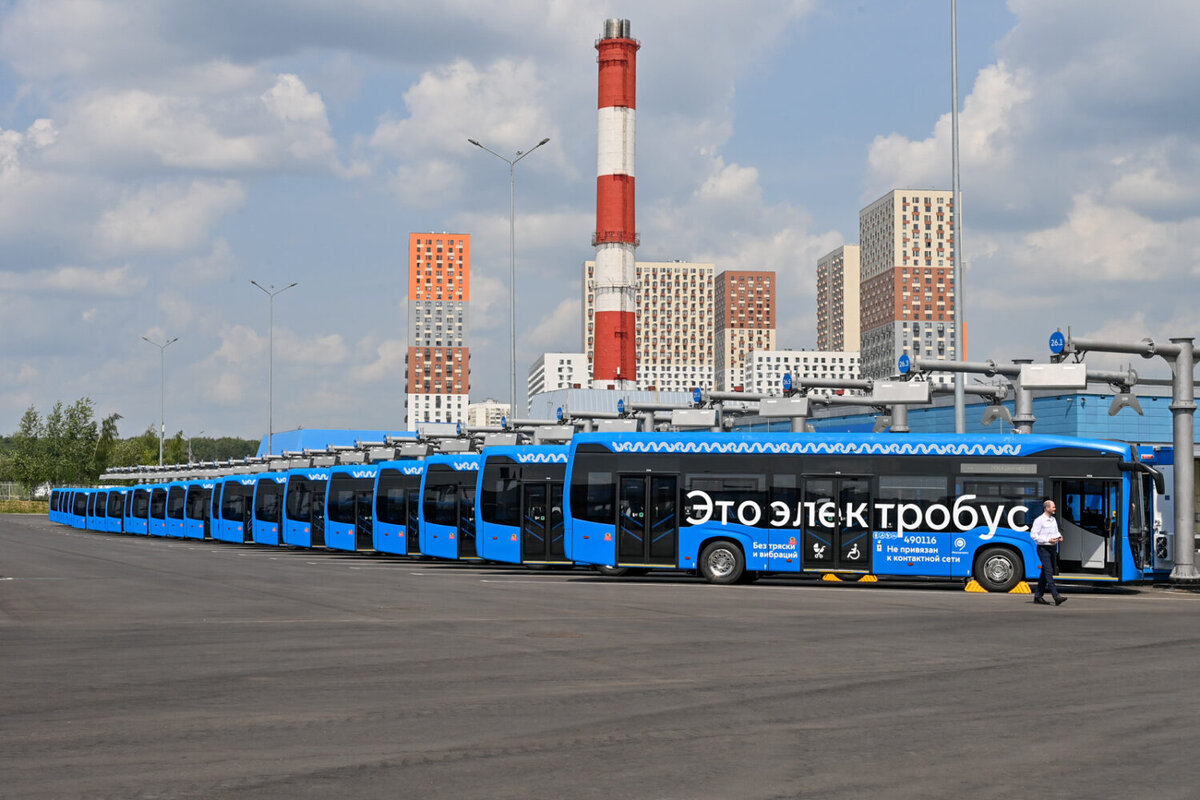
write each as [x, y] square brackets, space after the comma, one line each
[615, 361]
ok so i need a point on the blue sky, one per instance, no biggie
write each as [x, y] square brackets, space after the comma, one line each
[157, 156]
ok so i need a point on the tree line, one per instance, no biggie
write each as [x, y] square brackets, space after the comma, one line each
[70, 447]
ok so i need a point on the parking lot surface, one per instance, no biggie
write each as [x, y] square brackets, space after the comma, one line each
[134, 667]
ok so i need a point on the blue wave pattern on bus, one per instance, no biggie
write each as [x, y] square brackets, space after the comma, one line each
[818, 448]
[465, 466]
[542, 458]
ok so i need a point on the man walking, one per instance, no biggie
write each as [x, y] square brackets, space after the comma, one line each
[1045, 532]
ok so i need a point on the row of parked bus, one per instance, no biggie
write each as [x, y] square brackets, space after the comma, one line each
[728, 506]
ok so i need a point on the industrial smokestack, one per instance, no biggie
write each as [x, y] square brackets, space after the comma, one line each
[615, 361]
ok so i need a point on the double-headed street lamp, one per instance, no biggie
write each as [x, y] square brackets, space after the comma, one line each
[512, 265]
[162, 382]
[271, 292]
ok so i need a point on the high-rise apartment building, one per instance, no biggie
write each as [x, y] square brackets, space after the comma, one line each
[438, 364]
[554, 371]
[837, 299]
[745, 321]
[674, 330]
[906, 241]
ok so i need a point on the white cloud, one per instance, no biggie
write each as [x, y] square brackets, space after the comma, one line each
[388, 363]
[110, 282]
[302, 114]
[167, 217]
[557, 330]
[1102, 242]
[993, 115]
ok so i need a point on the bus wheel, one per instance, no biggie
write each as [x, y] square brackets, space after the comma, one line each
[998, 569]
[722, 562]
[613, 572]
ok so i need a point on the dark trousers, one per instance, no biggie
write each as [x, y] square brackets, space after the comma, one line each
[1046, 579]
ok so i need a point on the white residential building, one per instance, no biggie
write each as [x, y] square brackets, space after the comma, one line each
[486, 414]
[558, 371]
[765, 368]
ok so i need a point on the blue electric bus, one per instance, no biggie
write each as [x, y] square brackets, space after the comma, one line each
[197, 519]
[446, 517]
[268, 507]
[349, 511]
[398, 506]
[304, 507]
[137, 510]
[519, 497]
[736, 506]
[233, 522]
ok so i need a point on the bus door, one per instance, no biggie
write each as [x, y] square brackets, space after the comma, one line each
[364, 518]
[837, 524]
[648, 523]
[466, 522]
[317, 524]
[412, 530]
[1089, 518]
[542, 522]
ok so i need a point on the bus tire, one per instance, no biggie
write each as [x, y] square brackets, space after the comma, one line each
[998, 569]
[613, 572]
[722, 562]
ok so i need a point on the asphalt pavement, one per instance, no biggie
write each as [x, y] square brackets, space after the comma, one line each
[133, 667]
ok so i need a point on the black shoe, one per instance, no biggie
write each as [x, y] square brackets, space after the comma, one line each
[1058, 601]
[1040, 601]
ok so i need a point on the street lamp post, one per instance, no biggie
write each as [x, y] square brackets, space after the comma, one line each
[162, 382]
[960, 413]
[201, 433]
[271, 292]
[512, 265]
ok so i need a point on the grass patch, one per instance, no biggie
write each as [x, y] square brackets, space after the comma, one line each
[24, 506]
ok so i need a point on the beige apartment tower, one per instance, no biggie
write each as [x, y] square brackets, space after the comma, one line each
[906, 291]
[837, 299]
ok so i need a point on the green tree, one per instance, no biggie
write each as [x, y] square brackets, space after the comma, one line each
[136, 451]
[175, 449]
[28, 463]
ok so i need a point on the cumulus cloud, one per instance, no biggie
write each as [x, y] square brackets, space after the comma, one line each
[388, 362]
[110, 282]
[167, 217]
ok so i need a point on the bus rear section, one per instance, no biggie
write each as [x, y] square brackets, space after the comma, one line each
[197, 522]
[447, 513]
[349, 508]
[237, 498]
[520, 501]
[176, 506]
[115, 512]
[268, 507]
[304, 508]
[137, 511]
[397, 507]
[158, 510]
[97, 512]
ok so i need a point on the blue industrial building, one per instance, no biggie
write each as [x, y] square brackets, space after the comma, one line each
[1082, 414]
